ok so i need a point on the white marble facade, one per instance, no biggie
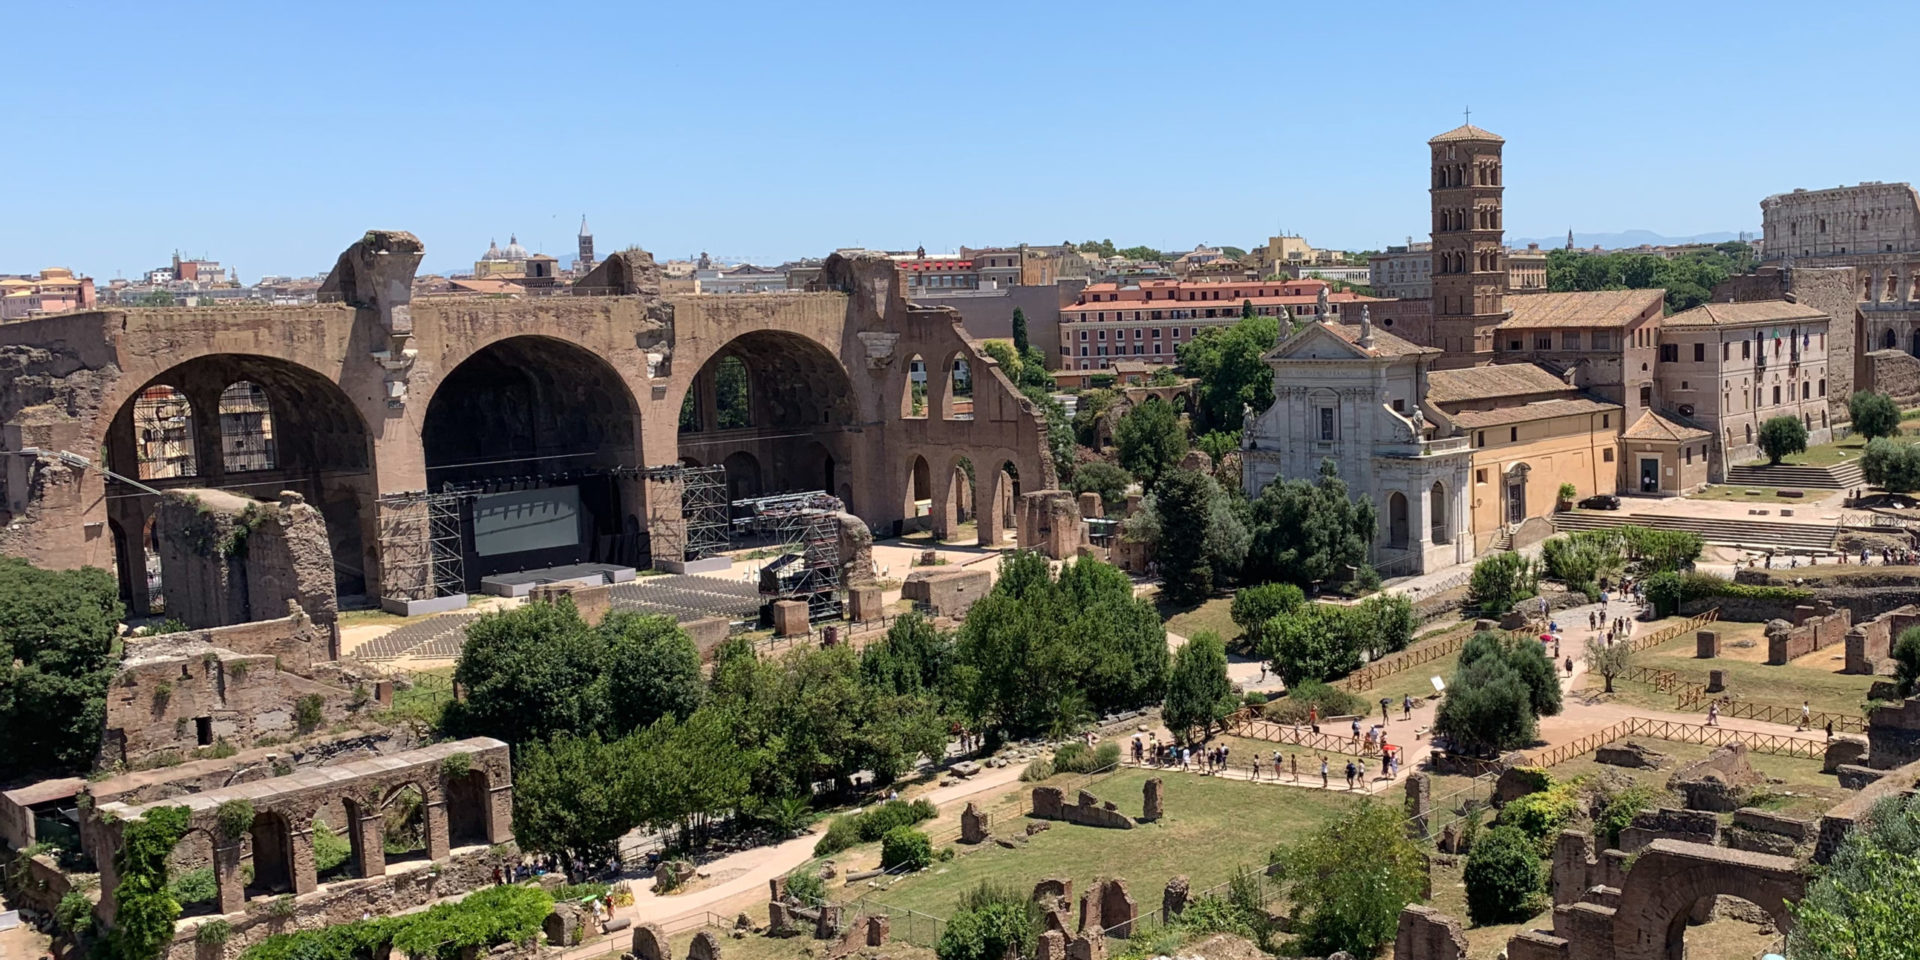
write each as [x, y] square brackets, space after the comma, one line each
[1348, 393]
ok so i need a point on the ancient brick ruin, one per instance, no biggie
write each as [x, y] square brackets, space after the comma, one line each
[1814, 627]
[375, 396]
[1870, 643]
[1049, 803]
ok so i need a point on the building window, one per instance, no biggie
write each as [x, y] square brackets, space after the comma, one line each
[1684, 385]
[1399, 405]
[1103, 334]
[1083, 351]
[1776, 393]
[1326, 423]
[1689, 452]
[1823, 387]
[1606, 456]
[1806, 390]
[1480, 475]
[1699, 352]
[1570, 341]
[1480, 438]
[1602, 340]
[1513, 434]
[1513, 344]
[1083, 334]
[1746, 349]
[1606, 420]
[1726, 351]
[1669, 352]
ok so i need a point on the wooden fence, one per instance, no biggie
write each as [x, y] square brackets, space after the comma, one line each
[1249, 724]
[1681, 731]
[1664, 634]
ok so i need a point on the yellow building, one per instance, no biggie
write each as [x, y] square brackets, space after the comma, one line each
[1530, 431]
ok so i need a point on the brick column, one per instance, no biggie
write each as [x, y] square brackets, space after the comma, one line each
[435, 820]
[300, 867]
[369, 827]
[226, 875]
[500, 814]
[986, 505]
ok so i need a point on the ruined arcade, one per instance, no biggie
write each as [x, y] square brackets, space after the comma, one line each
[375, 408]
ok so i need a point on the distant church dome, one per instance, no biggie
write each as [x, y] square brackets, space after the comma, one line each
[493, 251]
[514, 250]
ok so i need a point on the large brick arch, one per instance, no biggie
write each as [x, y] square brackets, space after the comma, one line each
[1670, 876]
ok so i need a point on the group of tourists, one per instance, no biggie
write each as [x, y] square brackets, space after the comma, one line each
[1217, 760]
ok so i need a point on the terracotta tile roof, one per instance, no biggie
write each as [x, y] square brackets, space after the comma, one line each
[1521, 413]
[1652, 426]
[1756, 311]
[1468, 131]
[1596, 308]
[486, 285]
[1307, 301]
[1498, 380]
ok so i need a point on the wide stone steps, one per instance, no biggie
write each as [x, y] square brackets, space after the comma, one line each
[1746, 533]
[1837, 477]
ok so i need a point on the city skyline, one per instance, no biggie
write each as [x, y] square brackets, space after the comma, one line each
[788, 135]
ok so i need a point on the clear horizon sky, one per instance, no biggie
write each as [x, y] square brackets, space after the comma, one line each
[269, 136]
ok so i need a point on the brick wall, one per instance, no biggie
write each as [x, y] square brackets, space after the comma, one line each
[1894, 373]
[1814, 627]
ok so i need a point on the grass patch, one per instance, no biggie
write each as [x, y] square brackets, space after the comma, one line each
[427, 699]
[1748, 677]
[1212, 827]
[1742, 494]
[1215, 614]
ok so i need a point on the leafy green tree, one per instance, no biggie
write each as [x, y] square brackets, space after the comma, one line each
[1217, 444]
[1164, 377]
[1198, 691]
[1315, 642]
[57, 634]
[1231, 367]
[1891, 465]
[912, 658]
[1185, 503]
[1109, 481]
[905, 848]
[1308, 532]
[1246, 310]
[143, 923]
[1488, 708]
[1150, 440]
[573, 796]
[1505, 877]
[1094, 404]
[1037, 653]
[1501, 580]
[1906, 661]
[1349, 880]
[1020, 342]
[652, 669]
[156, 298]
[1142, 253]
[530, 672]
[1529, 662]
[1873, 414]
[1782, 437]
[1866, 904]
[1687, 279]
[1254, 606]
[1096, 248]
[1385, 622]
[683, 773]
[1609, 660]
[1060, 448]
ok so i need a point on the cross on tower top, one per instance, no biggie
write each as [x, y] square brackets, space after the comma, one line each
[1469, 112]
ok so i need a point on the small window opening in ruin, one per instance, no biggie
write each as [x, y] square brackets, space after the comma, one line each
[203, 731]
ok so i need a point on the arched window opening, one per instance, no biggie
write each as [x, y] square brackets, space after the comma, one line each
[960, 403]
[732, 394]
[246, 428]
[404, 827]
[1397, 532]
[1437, 513]
[163, 434]
[913, 405]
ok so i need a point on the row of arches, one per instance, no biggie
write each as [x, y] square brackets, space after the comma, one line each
[943, 502]
[946, 392]
[1483, 173]
[1484, 261]
[1448, 220]
[1399, 526]
[166, 436]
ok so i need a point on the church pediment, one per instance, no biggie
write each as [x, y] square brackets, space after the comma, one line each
[1315, 342]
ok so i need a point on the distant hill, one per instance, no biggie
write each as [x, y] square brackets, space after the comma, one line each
[1629, 238]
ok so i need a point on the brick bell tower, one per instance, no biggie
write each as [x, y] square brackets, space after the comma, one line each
[1469, 273]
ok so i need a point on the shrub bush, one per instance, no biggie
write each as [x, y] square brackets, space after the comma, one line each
[993, 922]
[1037, 770]
[235, 818]
[806, 886]
[1332, 701]
[1254, 698]
[1618, 810]
[1667, 590]
[905, 848]
[1906, 661]
[1500, 581]
[1077, 757]
[330, 849]
[74, 913]
[1541, 815]
[1504, 876]
[193, 886]
[842, 832]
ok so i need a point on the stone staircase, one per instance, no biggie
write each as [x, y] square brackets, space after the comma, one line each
[1746, 533]
[1502, 542]
[1840, 476]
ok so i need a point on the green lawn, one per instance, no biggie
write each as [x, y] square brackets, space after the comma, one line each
[1742, 494]
[1212, 827]
[1747, 677]
[1215, 614]
[1803, 791]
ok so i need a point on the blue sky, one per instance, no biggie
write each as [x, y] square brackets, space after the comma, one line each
[269, 135]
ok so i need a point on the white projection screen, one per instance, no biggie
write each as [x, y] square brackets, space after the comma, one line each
[526, 520]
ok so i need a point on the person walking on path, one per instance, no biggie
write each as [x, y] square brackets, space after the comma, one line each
[1323, 772]
[1385, 704]
[1349, 774]
[1806, 716]
[1293, 763]
[1713, 714]
[1406, 707]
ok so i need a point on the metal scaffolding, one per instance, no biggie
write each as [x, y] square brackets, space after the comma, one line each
[703, 507]
[421, 546]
